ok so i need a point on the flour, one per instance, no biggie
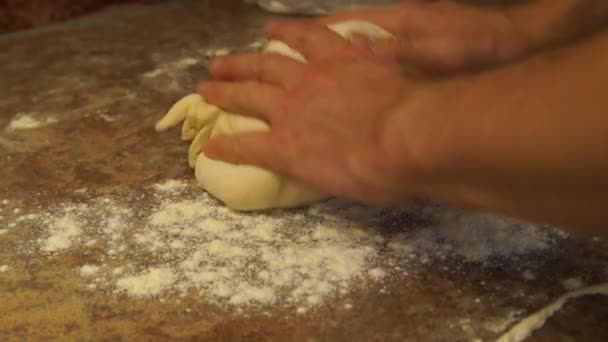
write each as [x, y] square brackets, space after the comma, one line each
[149, 283]
[573, 283]
[88, 270]
[63, 232]
[24, 121]
[178, 242]
[170, 185]
[172, 67]
[3, 268]
[237, 259]
[528, 275]
[475, 237]
[217, 52]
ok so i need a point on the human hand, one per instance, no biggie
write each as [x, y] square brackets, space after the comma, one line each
[329, 117]
[442, 36]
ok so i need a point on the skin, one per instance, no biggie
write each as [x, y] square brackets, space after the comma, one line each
[356, 124]
[447, 37]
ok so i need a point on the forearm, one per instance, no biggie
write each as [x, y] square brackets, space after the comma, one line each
[529, 140]
[548, 22]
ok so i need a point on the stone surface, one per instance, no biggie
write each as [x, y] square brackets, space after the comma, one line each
[106, 79]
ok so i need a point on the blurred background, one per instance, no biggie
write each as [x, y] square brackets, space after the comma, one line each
[17, 15]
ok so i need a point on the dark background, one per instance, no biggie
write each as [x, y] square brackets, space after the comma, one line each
[22, 14]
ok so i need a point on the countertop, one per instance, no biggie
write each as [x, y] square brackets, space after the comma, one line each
[98, 84]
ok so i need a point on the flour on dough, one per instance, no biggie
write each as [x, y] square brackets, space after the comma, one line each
[245, 187]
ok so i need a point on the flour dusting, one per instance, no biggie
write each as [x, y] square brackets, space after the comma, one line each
[88, 270]
[24, 121]
[174, 240]
[149, 283]
[64, 230]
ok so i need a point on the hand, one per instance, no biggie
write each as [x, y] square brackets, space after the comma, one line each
[442, 36]
[328, 117]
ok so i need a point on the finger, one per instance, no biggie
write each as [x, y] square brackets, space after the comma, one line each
[249, 98]
[267, 68]
[313, 41]
[256, 148]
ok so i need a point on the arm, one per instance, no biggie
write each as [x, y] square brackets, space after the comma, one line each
[446, 36]
[529, 140]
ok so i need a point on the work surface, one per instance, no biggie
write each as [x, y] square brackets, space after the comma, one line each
[104, 234]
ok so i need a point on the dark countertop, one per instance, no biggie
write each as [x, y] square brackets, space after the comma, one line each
[106, 79]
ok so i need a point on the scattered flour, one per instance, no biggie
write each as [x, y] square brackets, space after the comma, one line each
[528, 275]
[180, 242]
[172, 67]
[170, 185]
[475, 237]
[377, 273]
[23, 121]
[3, 268]
[149, 283]
[88, 270]
[573, 283]
[242, 259]
[218, 52]
[63, 231]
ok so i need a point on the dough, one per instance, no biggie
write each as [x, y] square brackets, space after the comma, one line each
[245, 187]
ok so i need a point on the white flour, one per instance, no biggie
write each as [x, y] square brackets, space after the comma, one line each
[149, 283]
[63, 230]
[88, 270]
[24, 121]
[184, 242]
[247, 259]
[476, 237]
[572, 284]
[170, 185]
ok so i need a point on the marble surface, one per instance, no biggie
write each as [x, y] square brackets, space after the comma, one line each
[104, 80]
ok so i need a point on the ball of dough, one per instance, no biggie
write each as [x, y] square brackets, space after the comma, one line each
[245, 187]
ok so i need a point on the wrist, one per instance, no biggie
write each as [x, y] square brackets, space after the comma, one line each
[441, 134]
[416, 140]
